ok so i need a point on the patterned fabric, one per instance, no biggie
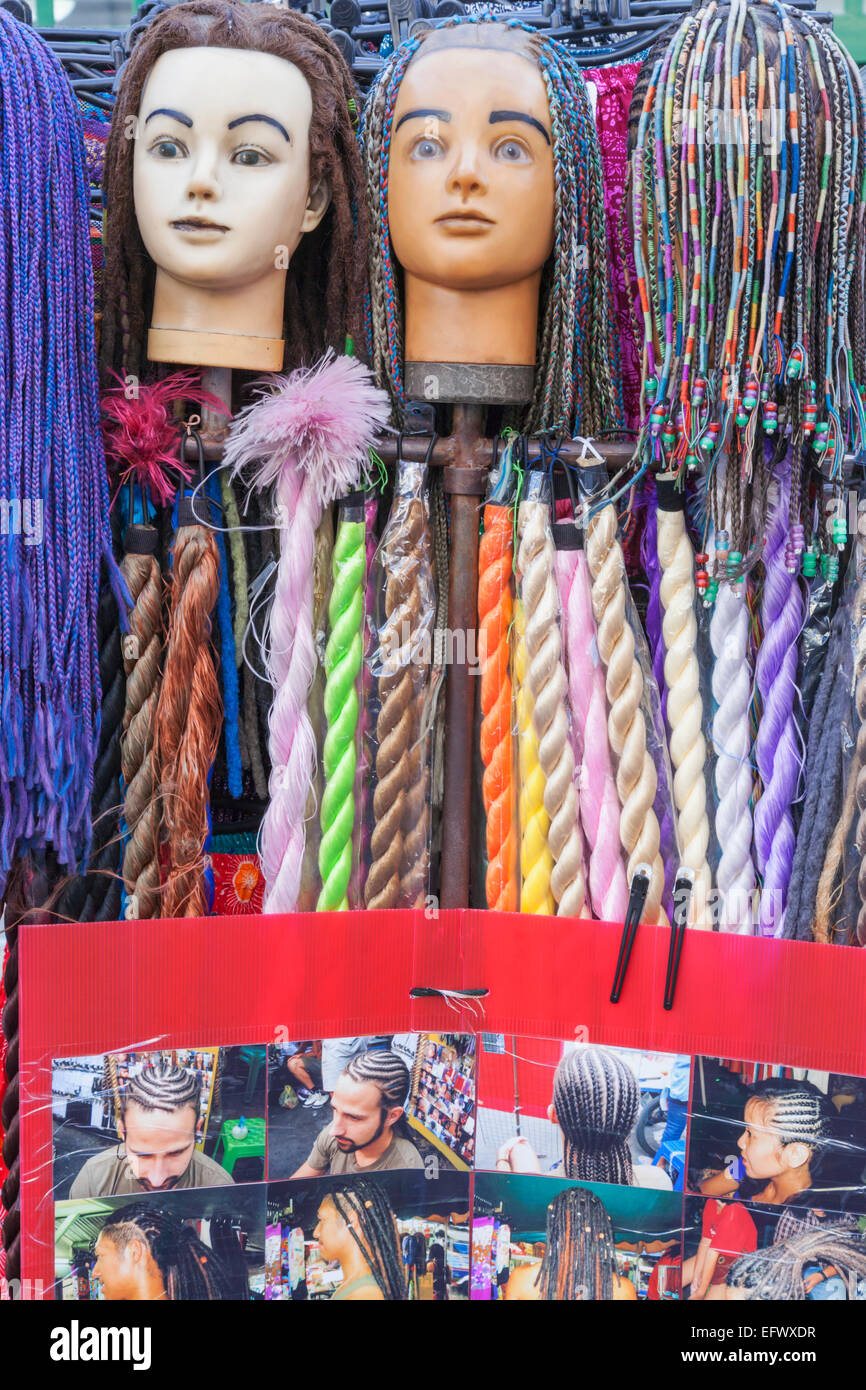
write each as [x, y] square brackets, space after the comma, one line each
[239, 885]
[612, 97]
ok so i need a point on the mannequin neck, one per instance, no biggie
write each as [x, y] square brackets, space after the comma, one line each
[492, 326]
[240, 327]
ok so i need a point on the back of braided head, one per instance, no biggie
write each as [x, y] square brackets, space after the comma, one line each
[596, 1098]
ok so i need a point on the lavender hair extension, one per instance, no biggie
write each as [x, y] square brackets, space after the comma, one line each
[777, 751]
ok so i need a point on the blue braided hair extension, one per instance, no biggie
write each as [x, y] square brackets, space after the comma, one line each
[52, 467]
[578, 378]
[228, 670]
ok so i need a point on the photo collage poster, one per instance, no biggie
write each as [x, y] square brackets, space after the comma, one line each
[452, 1167]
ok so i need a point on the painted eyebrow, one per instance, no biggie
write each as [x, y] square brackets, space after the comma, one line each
[268, 120]
[422, 111]
[497, 116]
[175, 116]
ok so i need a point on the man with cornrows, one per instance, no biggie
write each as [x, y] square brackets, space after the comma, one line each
[368, 1132]
[157, 1128]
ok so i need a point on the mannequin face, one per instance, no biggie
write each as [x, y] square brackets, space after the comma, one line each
[471, 191]
[221, 165]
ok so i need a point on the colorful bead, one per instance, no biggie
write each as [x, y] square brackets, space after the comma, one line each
[810, 563]
[840, 531]
[735, 559]
[798, 538]
[712, 591]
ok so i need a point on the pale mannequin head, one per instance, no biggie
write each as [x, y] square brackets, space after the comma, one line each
[278, 252]
[221, 167]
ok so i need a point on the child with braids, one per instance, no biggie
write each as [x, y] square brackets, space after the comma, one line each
[145, 1254]
[786, 1125]
[357, 1227]
[579, 1260]
[595, 1103]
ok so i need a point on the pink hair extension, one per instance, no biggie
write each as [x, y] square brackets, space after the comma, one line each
[777, 748]
[599, 803]
[308, 435]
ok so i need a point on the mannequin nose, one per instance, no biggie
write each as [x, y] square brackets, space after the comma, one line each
[203, 183]
[465, 177]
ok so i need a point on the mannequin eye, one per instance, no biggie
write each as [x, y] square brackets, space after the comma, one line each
[512, 151]
[168, 149]
[251, 158]
[428, 147]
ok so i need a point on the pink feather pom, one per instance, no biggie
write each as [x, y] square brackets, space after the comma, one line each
[319, 420]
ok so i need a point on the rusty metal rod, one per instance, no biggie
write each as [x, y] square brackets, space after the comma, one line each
[615, 453]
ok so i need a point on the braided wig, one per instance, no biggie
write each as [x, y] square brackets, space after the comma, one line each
[377, 1236]
[578, 385]
[580, 1255]
[324, 285]
[778, 1274]
[596, 1098]
[189, 1268]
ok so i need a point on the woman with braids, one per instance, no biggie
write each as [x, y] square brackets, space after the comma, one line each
[579, 1260]
[786, 1125]
[325, 278]
[357, 1228]
[596, 1098]
[145, 1254]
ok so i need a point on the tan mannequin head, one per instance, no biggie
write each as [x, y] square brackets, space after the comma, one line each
[488, 257]
[232, 179]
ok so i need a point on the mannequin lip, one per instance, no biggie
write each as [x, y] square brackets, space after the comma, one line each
[197, 225]
[464, 220]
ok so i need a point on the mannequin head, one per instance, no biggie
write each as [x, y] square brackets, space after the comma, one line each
[232, 183]
[488, 239]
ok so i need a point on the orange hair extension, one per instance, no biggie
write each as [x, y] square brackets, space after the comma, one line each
[188, 719]
[495, 611]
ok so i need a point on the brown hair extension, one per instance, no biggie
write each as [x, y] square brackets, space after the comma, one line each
[142, 652]
[188, 719]
[327, 274]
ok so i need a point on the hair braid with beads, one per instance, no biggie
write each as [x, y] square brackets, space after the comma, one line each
[579, 1254]
[377, 1236]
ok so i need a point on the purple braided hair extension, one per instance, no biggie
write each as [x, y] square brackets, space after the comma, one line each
[52, 466]
[777, 750]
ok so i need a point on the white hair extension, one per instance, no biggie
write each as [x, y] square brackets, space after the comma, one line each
[548, 685]
[732, 741]
[685, 711]
[636, 777]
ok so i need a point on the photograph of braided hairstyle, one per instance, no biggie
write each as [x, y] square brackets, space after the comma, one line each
[548, 686]
[778, 1273]
[578, 385]
[189, 1268]
[400, 839]
[188, 713]
[579, 1259]
[325, 281]
[162, 1086]
[596, 1098]
[636, 777]
[795, 1111]
[376, 1236]
[389, 1074]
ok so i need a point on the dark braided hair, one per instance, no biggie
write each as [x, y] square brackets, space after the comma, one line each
[162, 1087]
[798, 1110]
[325, 282]
[596, 1098]
[579, 1256]
[189, 1268]
[385, 1070]
[777, 1274]
[377, 1236]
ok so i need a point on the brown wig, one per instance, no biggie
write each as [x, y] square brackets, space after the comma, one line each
[188, 716]
[326, 277]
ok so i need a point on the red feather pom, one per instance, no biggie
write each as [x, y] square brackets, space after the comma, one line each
[142, 435]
